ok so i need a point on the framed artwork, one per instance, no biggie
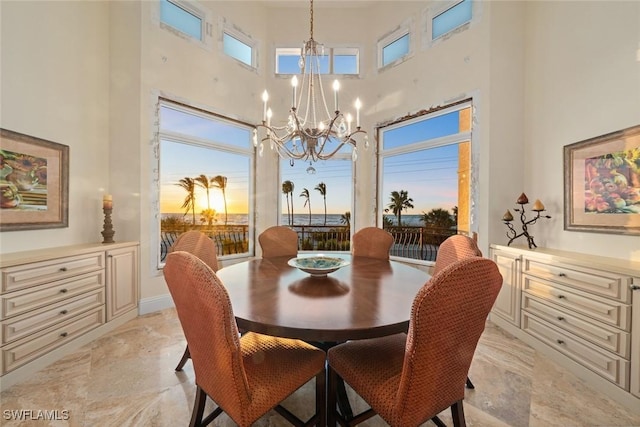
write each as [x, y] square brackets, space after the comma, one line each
[34, 183]
[602, 183]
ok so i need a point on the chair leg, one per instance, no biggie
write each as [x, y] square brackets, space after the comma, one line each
[198, 408]
[470, 384]
[457, 413]
[321, 398]
[331, 397]
[185, 356]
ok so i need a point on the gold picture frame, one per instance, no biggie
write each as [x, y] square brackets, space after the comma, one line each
[602, 183]
[34, 182]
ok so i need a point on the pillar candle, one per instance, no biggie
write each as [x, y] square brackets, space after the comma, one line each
[107, 201]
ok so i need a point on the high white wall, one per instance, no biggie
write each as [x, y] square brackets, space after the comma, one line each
[542, 74]
[55, 86]
[582, 79]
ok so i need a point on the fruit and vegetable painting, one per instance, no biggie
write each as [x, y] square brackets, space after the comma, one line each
[602, 183]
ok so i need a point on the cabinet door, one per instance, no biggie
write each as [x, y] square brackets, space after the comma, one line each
[635, 337]
[122, 281]
[507, 304]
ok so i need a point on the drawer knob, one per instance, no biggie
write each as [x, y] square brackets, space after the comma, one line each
[64, 312]
[63, 290]
[634, 287]
[561, 296]
[63, 269]
[560, 318]
[64, 334]
[562, 275]
[560, 341]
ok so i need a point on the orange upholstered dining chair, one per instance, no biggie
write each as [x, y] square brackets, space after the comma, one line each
[199, 244]
[245, 376]
[372, 242]
[408, 379]
[278, 241]
[453, 249]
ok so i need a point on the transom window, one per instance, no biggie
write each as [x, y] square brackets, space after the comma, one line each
[451, 18]
[395, 47]
[423, 181]
[238, 45]
[183, 17]
[206, 179]
[336, 60]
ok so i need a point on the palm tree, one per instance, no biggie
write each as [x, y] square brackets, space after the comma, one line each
[208, 216]
[438, 218]
[399, 202]
[220, 182]
[189, 203]
[291, 193]
[322, 189]
[305, 194]
[345, 219]
[203, 181]
[287, 188]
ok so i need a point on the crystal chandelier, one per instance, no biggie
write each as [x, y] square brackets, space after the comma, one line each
[312, 133]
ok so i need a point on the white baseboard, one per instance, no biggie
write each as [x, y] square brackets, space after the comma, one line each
[153, 304]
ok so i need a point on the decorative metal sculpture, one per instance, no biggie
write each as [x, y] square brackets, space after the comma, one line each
[512, 234]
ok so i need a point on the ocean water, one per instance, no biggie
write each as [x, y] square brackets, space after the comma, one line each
[302, 219]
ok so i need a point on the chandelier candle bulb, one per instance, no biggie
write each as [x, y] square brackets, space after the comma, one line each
[269, 114]
[265, 98]
[336, 88]
[358, 105]
[294, 83]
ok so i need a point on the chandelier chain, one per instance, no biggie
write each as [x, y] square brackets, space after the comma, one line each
[311, 21]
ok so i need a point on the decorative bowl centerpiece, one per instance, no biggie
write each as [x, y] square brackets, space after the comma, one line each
[319, 265]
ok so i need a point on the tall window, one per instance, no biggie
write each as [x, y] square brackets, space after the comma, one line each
[316, 201]
[206, 175]
[424, 176]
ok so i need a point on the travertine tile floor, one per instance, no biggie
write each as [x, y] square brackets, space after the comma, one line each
[127, 378]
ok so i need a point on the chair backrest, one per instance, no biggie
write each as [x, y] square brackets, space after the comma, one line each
[447, 318]
[207, 319]
[199, 244]
[372, 242]
[278, 241]
[455, 248]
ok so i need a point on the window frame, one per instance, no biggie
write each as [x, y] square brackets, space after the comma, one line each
[401, 31]
[176, 137]
[422, 145]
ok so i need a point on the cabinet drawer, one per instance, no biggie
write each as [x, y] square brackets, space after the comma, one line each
[605, 364]
[37, 273]
[607, 311]
[26, 300]
[607, 337]
[27, 349]
[597, 282]
[37, 320]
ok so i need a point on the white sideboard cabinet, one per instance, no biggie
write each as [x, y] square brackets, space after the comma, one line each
[55, 300]
[582, 311]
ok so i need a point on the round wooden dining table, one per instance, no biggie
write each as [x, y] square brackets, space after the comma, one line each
[365, 299]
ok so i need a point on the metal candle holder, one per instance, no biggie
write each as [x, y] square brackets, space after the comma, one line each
[512, 234]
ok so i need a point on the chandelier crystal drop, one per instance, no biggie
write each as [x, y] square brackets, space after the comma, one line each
[311, 132]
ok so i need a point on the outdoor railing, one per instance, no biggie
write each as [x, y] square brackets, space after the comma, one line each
[409, 242]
